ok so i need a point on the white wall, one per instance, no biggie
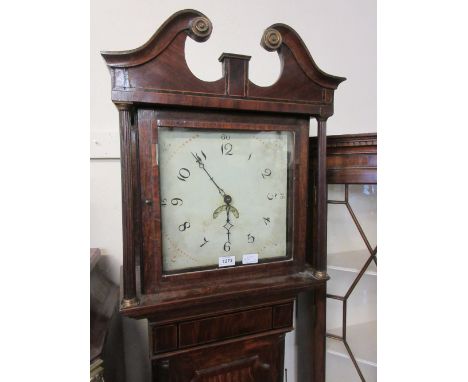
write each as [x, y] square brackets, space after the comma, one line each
[340, 34]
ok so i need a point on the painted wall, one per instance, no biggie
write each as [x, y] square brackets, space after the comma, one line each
[340, 34]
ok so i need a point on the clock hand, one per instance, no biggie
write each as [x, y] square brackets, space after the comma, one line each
[227, 200]
[224, 208]
[228, 224]
[202, 166]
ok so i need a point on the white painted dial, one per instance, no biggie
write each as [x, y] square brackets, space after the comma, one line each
[223, 193]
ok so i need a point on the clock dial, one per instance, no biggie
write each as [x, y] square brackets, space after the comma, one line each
[223, 193]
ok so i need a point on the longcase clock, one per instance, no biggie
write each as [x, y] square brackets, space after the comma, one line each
[215, 204]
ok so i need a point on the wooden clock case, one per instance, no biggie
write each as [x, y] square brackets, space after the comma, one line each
[220, 324]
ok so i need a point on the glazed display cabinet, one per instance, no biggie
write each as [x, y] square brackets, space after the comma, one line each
[352, 258]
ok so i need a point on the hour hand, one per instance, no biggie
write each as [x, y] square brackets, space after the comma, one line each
[224, 207]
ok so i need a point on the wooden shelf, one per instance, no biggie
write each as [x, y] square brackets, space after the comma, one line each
[340, 369]
[362, 339]
[340, 282]
[351, 261]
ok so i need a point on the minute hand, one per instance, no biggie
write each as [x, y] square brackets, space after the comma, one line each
[202, 166]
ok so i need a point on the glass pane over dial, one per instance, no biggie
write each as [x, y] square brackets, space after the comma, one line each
[223, 193]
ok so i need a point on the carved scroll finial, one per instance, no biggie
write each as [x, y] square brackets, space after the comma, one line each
[201, 28]
[271, 39]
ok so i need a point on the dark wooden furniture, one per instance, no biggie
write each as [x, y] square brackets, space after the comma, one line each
[351, 160]
[106, 350]
[219, 324]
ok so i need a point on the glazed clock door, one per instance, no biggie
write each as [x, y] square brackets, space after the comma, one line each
[224, 197]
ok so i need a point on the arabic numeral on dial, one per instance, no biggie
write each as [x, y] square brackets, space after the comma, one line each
[266, 221]
[204, 242]
[266, 172]
[227, 246]
[174, 202]
[276, 195]
[184, 226]
[250, 238]
[226, 149]
[184, 173]
[177, 201]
